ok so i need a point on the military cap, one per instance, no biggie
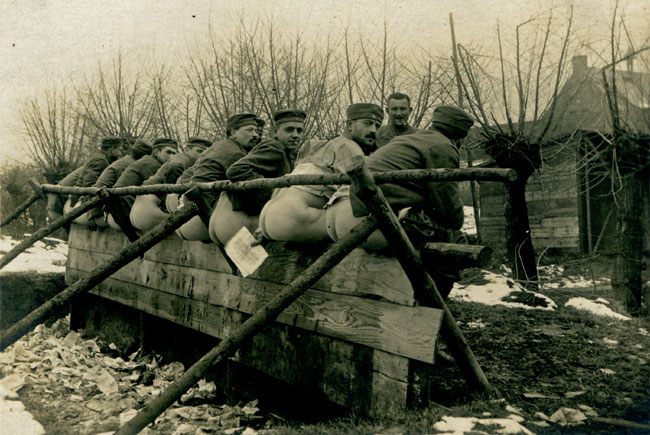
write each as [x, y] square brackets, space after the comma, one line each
[288, 115]
[194, 141]
[164, 142]
[130, 139]
[365, 111]
[260, 122]
[241, 120]
[451, 121]
[141, 147]
[110, 142]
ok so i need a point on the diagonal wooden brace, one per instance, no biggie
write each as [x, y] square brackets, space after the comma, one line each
[424, 287]
[49, 229]
[36, 187]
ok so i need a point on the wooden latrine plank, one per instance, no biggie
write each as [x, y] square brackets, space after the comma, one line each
[407, 331]
[365, 380]
[358, 274]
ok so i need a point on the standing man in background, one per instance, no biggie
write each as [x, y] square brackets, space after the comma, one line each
[399, 109]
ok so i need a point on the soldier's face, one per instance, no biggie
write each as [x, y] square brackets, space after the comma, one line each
[364, 132]
[245, 136]
[290, 133]
[399, 112]
[116, 153]
[194, 152]
[163, 154]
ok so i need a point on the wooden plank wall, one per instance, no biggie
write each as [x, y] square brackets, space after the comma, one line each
[552, 200]
[354, 338]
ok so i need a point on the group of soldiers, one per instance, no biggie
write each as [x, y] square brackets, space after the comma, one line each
[300, 213]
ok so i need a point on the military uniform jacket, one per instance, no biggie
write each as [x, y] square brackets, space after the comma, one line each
[269, 159]
[91, 172]
[426, 149]
[138, 171]
[387, 132]
[109, 177]
[171, 170]
[213, 164]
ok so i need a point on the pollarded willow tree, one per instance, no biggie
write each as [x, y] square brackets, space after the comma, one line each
[514, 101]
[57, 135]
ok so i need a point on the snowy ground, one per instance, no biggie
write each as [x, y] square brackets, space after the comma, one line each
[45, 256]
[485, 287]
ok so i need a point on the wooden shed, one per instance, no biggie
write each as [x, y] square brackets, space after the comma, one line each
[570, 200]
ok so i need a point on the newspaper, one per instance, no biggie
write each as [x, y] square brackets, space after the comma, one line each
[247, 258]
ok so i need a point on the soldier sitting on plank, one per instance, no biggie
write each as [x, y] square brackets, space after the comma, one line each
[429, 211]
[269, 159]
[149, 210]
[112, 173]
[110, 150]
[140, 170]
[297, 213]
[242, 132]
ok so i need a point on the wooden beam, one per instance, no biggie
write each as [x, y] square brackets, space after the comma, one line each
[478, 174]
[252, 326]
[48, 229]
[424, 286]
[461, 256]
[99, 274]
[406, 331]
[36, 187]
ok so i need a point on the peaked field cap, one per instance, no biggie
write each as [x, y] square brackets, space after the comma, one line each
[260, 122]
[241, 120]
[452, 121]
[111, 141]
[196, 141]
[365, 110]
[141, 146]
[289, 115]
[164, 142]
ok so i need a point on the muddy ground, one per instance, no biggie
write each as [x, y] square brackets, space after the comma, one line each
[540, 361]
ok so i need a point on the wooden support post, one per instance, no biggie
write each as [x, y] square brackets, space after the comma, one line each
[194, 195]
[331, 257]
[20, 209]
[424, 288]
[48, 229]
[99, 274]
[33, 183]
[116, 207]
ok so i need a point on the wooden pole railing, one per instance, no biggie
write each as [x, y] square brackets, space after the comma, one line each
[477, 174]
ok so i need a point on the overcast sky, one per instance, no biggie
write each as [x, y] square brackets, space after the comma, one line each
[47, 41]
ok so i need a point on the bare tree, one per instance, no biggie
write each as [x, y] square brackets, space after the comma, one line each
[118, 102]
[515, 108]
[57, 136]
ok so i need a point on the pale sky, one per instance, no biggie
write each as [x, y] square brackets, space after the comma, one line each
[47, 41]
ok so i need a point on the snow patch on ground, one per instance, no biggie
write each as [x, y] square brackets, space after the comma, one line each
[43, 257]
[554, 277]
[490, 288]
[469, 226]
[596, 307]
[462, 425]
[15, 419]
